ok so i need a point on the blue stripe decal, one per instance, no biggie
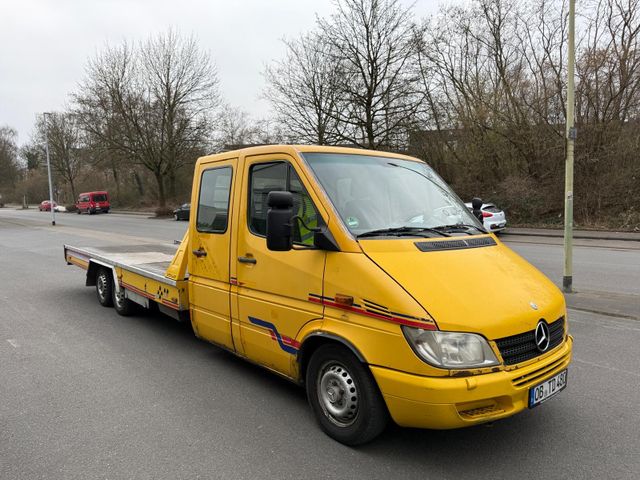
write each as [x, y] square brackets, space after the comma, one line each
[272, 328]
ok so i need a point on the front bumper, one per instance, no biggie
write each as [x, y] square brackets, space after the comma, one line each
[454, 402]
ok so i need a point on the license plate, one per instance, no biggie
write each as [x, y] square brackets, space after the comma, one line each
[547, 389]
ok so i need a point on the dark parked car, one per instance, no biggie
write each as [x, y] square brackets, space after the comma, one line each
[182, 212]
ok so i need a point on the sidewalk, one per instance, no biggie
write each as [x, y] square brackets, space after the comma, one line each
[586, 234]
[147, 213]
[605, 303]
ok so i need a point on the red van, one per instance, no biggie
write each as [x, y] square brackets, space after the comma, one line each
[93, 202]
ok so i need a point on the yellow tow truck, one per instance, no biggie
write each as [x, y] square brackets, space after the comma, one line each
[358, 274]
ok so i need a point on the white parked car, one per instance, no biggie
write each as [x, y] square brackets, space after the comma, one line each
[493, 218]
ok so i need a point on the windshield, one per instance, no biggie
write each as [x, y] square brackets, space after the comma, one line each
[99, 197]
[371, 193]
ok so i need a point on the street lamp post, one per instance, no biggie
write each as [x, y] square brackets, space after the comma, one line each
[46, 147]
[567, 279]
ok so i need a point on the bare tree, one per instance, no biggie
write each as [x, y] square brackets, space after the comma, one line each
[373, 46]
[493, 77]
[235, 127]
[65, 148]
[151, 104]
[9, 166]
[303, 89]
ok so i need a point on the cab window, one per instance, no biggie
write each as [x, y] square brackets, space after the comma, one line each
[279, 176]
[213, 202]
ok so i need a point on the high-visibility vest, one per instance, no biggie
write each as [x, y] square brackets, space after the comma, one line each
[307, 213]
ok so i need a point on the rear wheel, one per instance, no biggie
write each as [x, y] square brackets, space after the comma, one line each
[104, 287]
[344, 396]
[123, 305]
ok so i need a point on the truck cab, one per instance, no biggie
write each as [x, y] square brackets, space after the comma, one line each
[363, 277]
[376, 259]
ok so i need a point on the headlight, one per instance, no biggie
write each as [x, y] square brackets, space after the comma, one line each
[450, 349]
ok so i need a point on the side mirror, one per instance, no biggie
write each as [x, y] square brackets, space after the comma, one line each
[476, 204]
[279, 226]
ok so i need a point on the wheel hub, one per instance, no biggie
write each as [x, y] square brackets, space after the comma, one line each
[119, 297]
[338, 394]
[102, 285]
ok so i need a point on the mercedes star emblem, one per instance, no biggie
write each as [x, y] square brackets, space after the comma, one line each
[542, 336]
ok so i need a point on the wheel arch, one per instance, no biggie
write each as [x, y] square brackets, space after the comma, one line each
[92, 271]
[314, 341]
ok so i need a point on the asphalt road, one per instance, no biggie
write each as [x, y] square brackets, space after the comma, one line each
[85, 393]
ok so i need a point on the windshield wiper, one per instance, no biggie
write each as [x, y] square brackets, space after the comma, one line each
[464, 227]
[399, 231]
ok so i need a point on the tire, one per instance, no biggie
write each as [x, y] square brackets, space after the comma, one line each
[175, 216]
[79, 211]
[122, 305]
[333, 371]
[104, 287]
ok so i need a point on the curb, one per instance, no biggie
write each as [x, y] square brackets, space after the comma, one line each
[604, 313]
[133, 212]
[585, 236]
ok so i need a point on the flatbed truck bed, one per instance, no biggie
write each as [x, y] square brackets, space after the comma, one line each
[146, 273]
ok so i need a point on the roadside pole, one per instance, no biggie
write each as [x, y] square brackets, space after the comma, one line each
[46, 147]
[567, 279]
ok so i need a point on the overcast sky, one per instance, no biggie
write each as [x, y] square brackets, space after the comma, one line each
[45, 44]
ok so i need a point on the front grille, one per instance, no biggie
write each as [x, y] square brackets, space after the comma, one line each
[522, 347]
[531, 378]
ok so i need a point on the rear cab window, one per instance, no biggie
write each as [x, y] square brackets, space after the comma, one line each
[213, 200]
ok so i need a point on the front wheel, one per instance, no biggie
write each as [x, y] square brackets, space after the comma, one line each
[344, 396]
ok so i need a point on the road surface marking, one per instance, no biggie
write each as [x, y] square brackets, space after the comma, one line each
[13, 342]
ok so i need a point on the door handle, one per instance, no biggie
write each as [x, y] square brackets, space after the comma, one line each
[200, 253]
[247, 260]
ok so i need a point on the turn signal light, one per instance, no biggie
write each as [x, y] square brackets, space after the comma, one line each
[345, 300]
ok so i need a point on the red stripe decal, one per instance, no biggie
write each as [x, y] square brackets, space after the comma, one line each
[290, 341]
[401, 321]
[168, 303]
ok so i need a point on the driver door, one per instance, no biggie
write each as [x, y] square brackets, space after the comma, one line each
[274, 287]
